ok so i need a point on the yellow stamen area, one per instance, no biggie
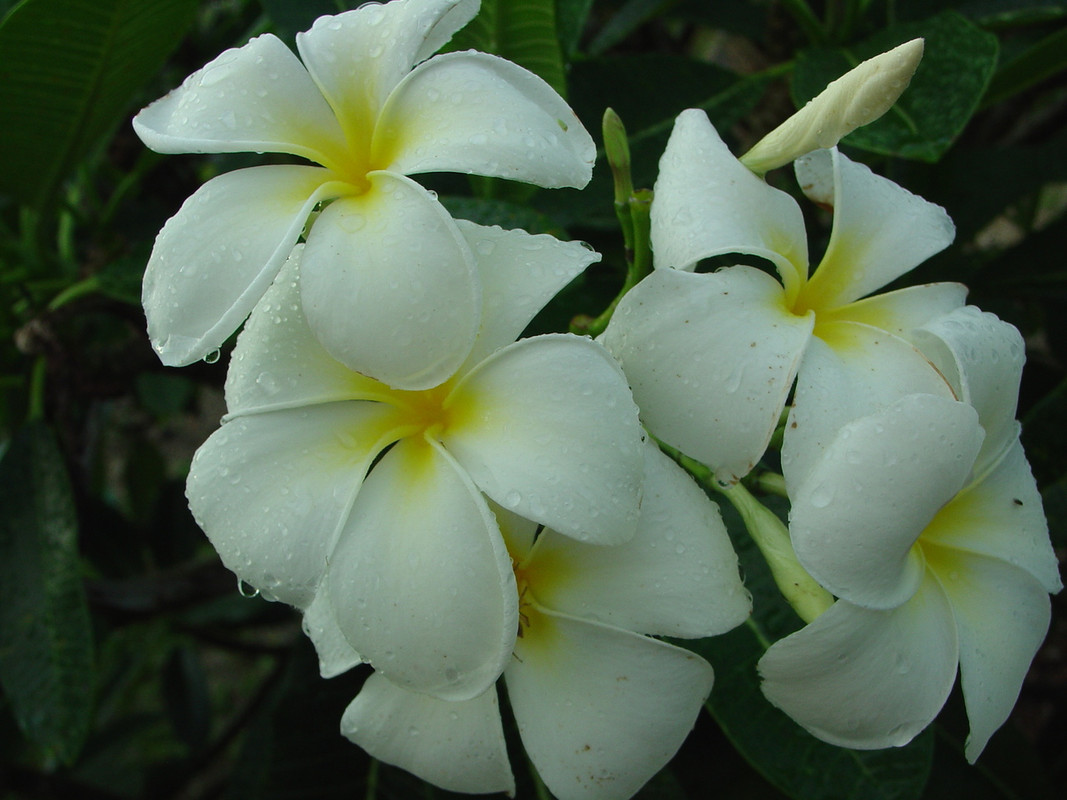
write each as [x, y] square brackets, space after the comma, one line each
[425, 412]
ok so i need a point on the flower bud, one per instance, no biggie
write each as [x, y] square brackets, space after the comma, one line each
[858, 97]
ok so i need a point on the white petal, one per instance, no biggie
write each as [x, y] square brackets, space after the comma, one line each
[678, 576]
[866, 679]
[1003, 615]
[983, 359]
[457, 745]
[335, 653]
[214, 259]
[389, 285]
[707, 203]
[880, 231]
[547, 428]
[860, 509]
[278, 362]
[601, 710]
[358, 57]
[271, 490]
[848, 371]
[902, 310]
[476, 113]
[1000, 516]
[519, 274]
[518, 532]
[420, 581]
[256, 98]
[710, 359]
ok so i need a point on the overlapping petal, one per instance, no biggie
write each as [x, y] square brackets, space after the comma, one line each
[320, 625]
[708, 203]
[271, 490]
[389, 285]
[278, 362]
[457, 745]
[1002, 614]
[900, 311]
[565, 454]
[476, 113]
[982, 356]
[880, 229]
[214, 259]
[601, 710]
[678, 576]
[867, 679]
[710, 359]
[420, 582]
[255, 98]
[849, 526]
[849, 370]
[357, 58]
[519, 274]
[1000, 516]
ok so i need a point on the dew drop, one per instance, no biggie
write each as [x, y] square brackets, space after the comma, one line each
[212, 357]
[246, 589]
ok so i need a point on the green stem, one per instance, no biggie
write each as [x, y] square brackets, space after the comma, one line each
[637, 268]
[806, 19]
[771, 535]
[74, 291]
[36, 398]
[770, 483]
[372, 781]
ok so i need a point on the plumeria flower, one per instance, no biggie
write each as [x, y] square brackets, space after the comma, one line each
[600, 707]
[711, 357]
[317, 467]
[926, 523]
[371, 107]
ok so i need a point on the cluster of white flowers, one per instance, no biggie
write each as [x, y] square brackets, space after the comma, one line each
[452, 506]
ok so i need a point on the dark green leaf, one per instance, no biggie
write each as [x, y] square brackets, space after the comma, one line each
[521, 32]
[290, 17]
[789, 757]
[629, 18]
[70, 71]
[1038, 62]
[957, 65]
[571, 16]
[486, 211]
[185, 695]
[46, 651]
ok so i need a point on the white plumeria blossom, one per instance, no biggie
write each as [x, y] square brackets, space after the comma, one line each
[319, 469]
[711, 357]
[371, 107]
[926, 523]
[600, 707]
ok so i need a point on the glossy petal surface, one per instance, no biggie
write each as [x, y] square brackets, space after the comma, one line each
[601, 710]
[1002, 614]
[336, 655]
[855, 518]
[458, 746]
[389, 285]
[476, 113]
[271, 490]
[547, 428]
[519, 274]
[214, 259]
[678, 576]
[880, 230]
[866, 679]
[707, 204]
[420, 581]
[710, 359]
[256, 98]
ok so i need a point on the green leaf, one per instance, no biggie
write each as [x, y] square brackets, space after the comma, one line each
[521, 32]
[786, 755]
[70, 70]
[571, 16]
[1042, 60]
[630, 17]
[291, 17]
[46, 649]
[958, 62]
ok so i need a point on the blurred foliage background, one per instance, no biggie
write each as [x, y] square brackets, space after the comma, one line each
[131, 664]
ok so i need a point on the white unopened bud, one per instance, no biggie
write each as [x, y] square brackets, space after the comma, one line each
[858, 97]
